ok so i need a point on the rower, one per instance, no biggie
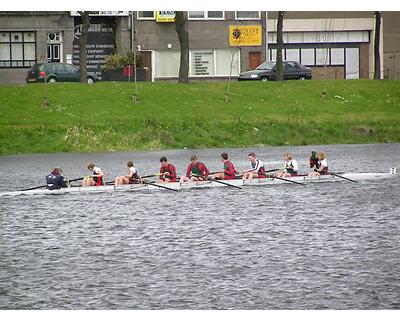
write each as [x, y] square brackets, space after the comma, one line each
[95, 179]
[55, 180]
[290, 168]
[167, 171]
[131, 178]
[257, 168]
[314, 160]
[229, 170]
[323, 168]
[196, 171]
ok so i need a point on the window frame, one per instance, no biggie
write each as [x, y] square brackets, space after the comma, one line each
[145, 18]
[206, 17]
[18, 64]
[259, 16]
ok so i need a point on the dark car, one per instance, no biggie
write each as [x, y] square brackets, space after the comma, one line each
[56, 72]
[292, 70]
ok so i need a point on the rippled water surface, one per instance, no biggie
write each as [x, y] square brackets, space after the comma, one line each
[331, 245]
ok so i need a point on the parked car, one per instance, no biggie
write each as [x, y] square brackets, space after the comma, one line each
[57, 72]
[292, 70]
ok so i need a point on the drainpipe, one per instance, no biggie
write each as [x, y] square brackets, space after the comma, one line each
[132, 31]
[266, 37]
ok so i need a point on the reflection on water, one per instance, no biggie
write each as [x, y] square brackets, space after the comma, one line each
[333, 245]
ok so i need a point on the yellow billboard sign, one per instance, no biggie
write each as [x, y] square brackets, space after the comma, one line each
[245, 36]
[165, 16]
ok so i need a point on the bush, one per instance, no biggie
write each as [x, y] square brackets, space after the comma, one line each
[117, 62]
[130, 59]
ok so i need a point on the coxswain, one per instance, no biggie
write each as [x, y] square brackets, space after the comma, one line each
[257, 168]
[229, 170]
[55, 180]
[322, 165]
[131, 178]
[167, 171]
[290, 167]
[96, 178]
[314, 160]
[196, 171]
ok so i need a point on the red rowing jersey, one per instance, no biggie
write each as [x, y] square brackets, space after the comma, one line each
[170, 171]
[229, 170]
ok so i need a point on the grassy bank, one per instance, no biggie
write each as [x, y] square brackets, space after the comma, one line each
[101, 117]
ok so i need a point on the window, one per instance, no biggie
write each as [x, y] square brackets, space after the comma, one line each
[215, 14]
[145, 15]
[322, 57]
[337, 56]
[224, 57]
[272, 54]
[352, 63]
[307, 57]
[54, 36]
[167, 63]
[71, 69]
[17, 49]
[293, 55]
[249, 15]
[196, 14]
[203, 63]
[201, 15]
[214, 62]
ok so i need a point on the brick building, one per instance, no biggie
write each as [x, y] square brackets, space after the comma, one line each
[334, 44]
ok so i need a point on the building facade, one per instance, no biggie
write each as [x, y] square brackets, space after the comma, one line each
[336, 45]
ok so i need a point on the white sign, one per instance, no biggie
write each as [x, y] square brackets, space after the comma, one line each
[202, 63]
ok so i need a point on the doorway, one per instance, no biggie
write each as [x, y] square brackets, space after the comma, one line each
[254, 59]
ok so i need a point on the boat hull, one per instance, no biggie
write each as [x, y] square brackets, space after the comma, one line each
[211, 184]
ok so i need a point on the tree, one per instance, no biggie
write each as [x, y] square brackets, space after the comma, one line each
[82, 45]
[377, 55]
[279, 44]
[183, 35]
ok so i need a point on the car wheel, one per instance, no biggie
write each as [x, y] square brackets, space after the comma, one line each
[264, 79]
[52, 80]
[90, 80]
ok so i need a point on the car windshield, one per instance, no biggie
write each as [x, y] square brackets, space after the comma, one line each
[266, 65]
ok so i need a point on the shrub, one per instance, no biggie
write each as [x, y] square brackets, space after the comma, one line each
[117, 61]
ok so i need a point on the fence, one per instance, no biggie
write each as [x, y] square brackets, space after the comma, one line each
[338, 72]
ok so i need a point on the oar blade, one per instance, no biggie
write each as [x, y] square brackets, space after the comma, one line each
[339, 176]
[225, 183]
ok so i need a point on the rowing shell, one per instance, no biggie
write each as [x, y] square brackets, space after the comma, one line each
[211, 184]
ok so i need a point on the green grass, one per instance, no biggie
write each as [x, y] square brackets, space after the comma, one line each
[102, 117]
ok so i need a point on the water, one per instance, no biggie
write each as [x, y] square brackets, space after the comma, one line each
[325, 246]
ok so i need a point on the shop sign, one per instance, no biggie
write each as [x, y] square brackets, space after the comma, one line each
[165, 16]
[245, 36]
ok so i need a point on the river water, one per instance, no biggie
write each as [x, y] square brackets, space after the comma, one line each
[324, 246]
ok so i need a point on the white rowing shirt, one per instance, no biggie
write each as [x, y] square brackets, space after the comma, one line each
[323, 163]
[132, 171]
[256, 165]
[292, 163]
[96, 170]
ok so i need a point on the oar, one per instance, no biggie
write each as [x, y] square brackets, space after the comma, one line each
[335, 174]
[33, 188]
[45, 185]
[158, 185]
[152, 175]
[77, 179]
[111, 182]
[279, 178]
[272, 170]
[227, 184]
